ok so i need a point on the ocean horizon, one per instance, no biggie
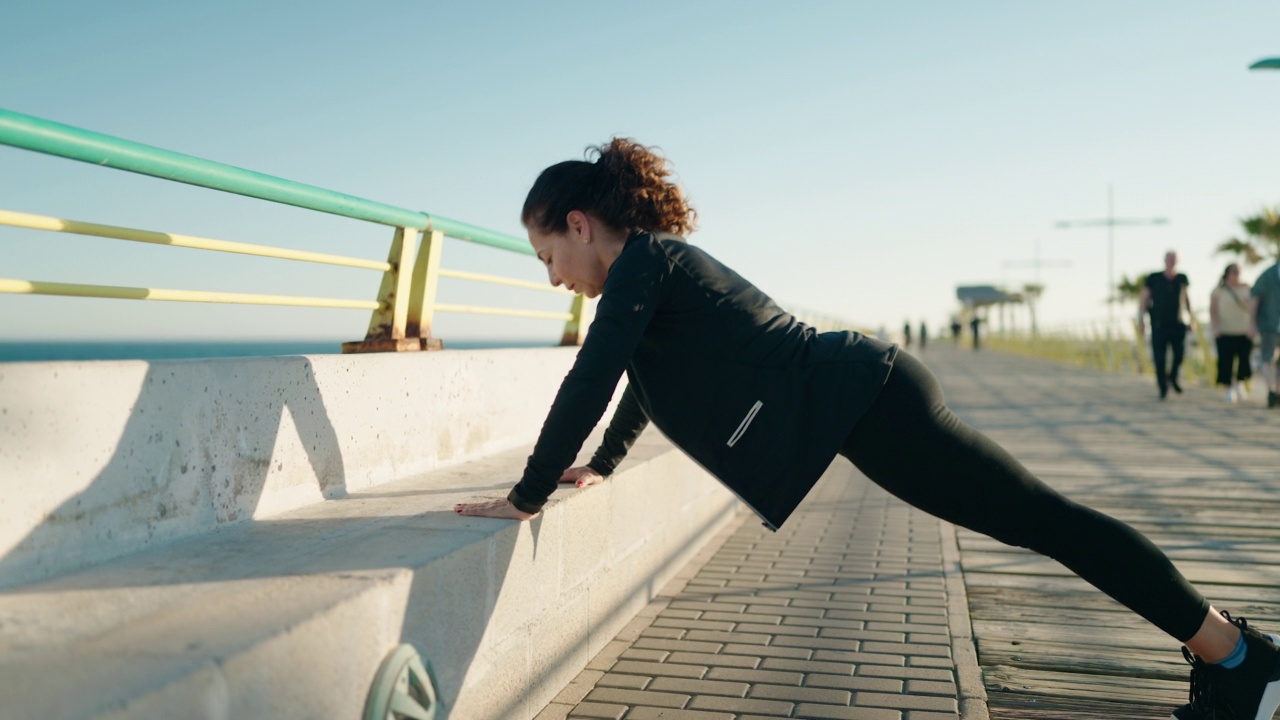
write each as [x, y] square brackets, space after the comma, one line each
[98, 349]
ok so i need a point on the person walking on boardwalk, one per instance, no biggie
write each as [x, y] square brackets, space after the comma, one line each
[924, 335]
[1266, 321]
[765, 403]
[1232, 325]
[1164, 296]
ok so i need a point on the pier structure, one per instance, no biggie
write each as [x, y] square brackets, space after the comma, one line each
[273, 537]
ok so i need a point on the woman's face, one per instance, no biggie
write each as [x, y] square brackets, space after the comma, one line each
[1233, 274]
[571, 260]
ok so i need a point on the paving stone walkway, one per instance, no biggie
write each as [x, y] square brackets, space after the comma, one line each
[841, 614]
[864, 608]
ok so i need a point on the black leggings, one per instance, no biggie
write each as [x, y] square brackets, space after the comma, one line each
[1233, 354]
[910, 444]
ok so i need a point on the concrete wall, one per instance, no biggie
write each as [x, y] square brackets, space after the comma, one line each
[279, 525]
[99, 459]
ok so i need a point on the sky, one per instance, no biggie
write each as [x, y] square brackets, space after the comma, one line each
[857, 159]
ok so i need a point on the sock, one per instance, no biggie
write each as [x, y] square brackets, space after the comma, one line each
[1236, 657]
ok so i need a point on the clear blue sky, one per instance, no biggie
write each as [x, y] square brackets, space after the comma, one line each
[852, 157]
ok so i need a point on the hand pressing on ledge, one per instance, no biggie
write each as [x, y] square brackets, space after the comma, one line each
[581, 476]
[494, 509]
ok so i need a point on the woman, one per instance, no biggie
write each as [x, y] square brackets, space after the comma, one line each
[1230, 320]
[764, 403]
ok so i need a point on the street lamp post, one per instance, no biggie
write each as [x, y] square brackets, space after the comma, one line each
[1111, 221]
[1035, 263]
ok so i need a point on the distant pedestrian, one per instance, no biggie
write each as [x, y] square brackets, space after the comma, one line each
[1164, 297]
[1266, 321]
[924, 335]
[764, 403]
[1232, 326]
[955, 330]
[974, 326]
[906, 334]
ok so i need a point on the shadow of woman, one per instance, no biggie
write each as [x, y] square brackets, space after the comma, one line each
[188, 445]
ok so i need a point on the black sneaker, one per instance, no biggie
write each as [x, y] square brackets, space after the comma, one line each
[1248, 692]
[1273, 399]
[1178, 389]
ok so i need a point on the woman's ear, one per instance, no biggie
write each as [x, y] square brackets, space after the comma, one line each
[579, 225]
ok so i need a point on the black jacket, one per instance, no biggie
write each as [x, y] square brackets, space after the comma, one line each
[760, 400]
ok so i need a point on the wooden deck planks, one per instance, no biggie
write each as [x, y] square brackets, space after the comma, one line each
[1200, 478]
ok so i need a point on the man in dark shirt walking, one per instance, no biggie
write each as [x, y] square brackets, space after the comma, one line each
[1164, 296]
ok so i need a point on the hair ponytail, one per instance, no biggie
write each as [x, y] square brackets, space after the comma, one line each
[626, 186]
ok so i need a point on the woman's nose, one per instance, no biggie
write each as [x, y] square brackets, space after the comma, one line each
[553, 278]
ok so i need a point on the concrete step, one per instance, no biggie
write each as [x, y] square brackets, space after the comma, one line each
[102, 459]
[289, 616]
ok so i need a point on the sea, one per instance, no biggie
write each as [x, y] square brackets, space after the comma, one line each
[46, 350]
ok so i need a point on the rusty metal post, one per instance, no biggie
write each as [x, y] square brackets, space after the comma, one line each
[575, 330]
[387, 325]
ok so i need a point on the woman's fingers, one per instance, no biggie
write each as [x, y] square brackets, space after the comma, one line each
[492, 508]
[581, 476]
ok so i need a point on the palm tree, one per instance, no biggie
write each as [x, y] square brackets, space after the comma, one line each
[1262, 238]
[1129, 290]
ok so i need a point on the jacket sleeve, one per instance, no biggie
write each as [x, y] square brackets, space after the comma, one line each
[630, 296]
[627, 424]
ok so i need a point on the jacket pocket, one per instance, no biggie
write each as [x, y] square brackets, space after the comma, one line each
[746, 423]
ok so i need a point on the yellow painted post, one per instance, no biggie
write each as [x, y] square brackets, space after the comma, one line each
[1207, 368]
[575, 330]
[387, 326]
[422, 293]
[1139, 349]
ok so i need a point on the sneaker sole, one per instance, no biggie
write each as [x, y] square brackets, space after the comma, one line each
[1271, 696]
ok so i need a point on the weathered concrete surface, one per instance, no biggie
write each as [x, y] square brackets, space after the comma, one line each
[289, 616]
[100, 459]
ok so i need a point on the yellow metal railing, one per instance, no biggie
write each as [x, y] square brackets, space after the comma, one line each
[416, 317]
[1118, 347]
[402, 313]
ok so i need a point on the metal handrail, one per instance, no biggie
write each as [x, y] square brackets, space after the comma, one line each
[78, 227]
[44, 136]
[403, 312]
[41, 287]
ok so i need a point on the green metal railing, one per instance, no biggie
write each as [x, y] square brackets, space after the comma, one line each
[401, 315]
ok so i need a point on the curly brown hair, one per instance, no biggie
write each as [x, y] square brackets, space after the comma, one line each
[626, 186]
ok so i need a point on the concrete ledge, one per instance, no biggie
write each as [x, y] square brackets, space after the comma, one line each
[288, 617]
[101, 459]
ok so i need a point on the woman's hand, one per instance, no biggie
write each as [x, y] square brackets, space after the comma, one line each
[581, 476]
[494, 509]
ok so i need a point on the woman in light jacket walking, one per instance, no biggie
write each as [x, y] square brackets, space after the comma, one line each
[1233, 332]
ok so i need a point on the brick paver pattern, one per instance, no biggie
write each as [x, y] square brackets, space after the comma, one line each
[841, 614]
